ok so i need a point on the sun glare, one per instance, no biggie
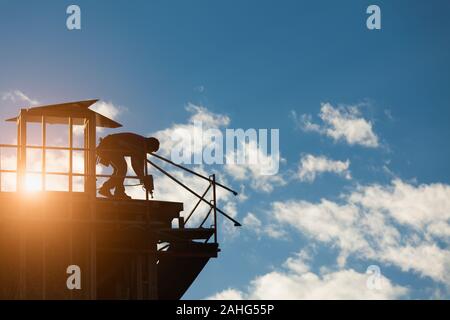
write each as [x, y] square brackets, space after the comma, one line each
[33, 183]
[56, 162]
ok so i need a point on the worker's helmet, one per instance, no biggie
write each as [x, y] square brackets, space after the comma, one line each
[152, 144]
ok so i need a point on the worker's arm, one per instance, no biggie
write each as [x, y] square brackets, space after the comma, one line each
[138, 162]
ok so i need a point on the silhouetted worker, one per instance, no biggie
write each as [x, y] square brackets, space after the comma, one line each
[113, 149]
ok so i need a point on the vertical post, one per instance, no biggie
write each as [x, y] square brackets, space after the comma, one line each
[44, 240]
[92, 188]
[21, 172]
[70, 195]
[215, 207]
[92, 193]
[18, 154]
[22, 150]
[44, 141]
[70, 154]
[86, 155]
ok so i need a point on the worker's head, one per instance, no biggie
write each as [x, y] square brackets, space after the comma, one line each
[152, 144]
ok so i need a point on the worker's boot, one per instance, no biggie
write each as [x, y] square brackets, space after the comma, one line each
[119, 193]
[121, 196]
[104, 191]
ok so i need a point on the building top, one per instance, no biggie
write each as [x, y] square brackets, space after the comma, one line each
[59, 113]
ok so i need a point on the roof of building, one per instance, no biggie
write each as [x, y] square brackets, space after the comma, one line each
[59, 114]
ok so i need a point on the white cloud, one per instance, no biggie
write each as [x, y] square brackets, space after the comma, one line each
[427, 259]
[273, 232]
[399, 224]
[17, 96]
[295, 281]
[228, 294]
[343, 123]
[310, 166]
[208, 118]
[326, 221]
[108, 109]
[169, 138]
[252, 222]
[424, 206]
[253, 172]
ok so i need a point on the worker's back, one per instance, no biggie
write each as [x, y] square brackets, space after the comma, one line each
[120, 141]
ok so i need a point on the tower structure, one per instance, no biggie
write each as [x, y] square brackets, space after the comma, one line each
[122, 249]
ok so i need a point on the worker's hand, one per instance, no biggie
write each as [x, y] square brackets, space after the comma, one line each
[148, 183]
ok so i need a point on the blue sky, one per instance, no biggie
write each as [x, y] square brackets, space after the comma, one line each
[257, 62]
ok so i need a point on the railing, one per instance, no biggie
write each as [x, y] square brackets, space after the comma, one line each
[43, 172]
[201, 198]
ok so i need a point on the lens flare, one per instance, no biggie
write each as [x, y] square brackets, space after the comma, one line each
[33, 183]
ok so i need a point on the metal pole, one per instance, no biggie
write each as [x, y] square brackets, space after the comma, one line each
[236, 223]
[215, 207]
[146, 174]
[197, 204]
[193, 172]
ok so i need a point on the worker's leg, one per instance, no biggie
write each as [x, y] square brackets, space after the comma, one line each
[105, 189]
[121, 167]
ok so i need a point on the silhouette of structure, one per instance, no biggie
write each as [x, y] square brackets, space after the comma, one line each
[126, 249]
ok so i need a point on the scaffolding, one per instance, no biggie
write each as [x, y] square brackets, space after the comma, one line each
[127, 249]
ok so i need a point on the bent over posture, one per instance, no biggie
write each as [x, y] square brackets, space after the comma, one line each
[113, 149]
